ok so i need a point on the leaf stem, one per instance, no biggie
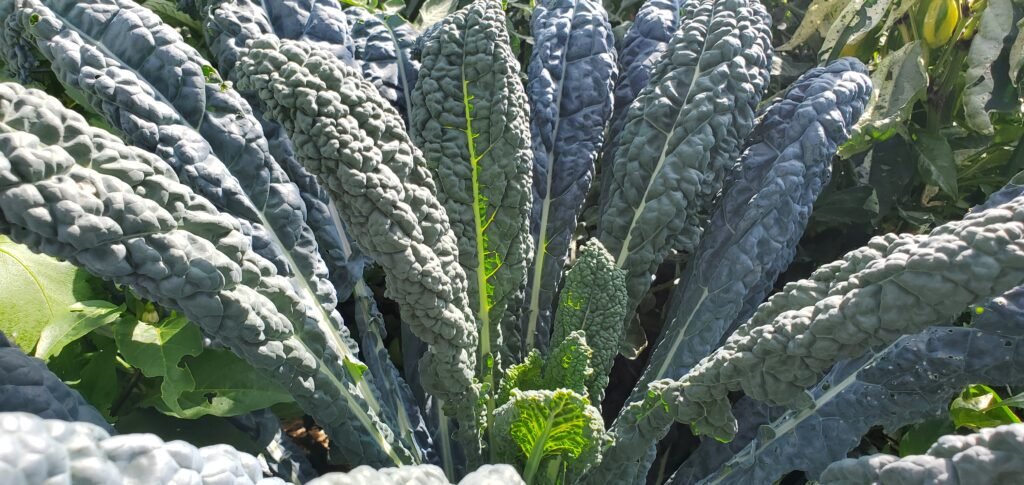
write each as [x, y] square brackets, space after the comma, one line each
[132, 384]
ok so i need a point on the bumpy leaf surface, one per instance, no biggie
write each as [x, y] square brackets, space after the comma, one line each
[421, 475]
[764, 208]
[896, 285]
[992, 455]
[911, 380]
[156, 89]
[26, 385]
[641, 49]
[682, 133]
[566, 367]
[36, 450]
[570, 88]
[347, 135]
[470, 117]
[318, 22]
[536, 425]
[382, 50]
[78, 193]
[593, 301]
[228, 27]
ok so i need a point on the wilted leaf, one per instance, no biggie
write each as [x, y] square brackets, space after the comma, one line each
[899, 81]
[816, 19]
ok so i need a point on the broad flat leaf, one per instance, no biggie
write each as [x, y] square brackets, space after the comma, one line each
[980, 407]
[1017, 54]
[98, 380]
[981, 77]
[816, 19]
[432, 11]
[936, 158]
[157, 351]
[37, 291]
[920, 437]
[899, 81]
[848, 206]
[897, 14]
[81, 318]
[855, 22]
[224, 386]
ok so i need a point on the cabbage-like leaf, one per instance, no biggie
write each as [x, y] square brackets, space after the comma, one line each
[156, 89]
[682, 133]
[547, 431]
[121, 214]
[911, 380]
[571, 71]
[896, 285]
[566, 367]
[752, 234]
[470, 117]
[229, 27]
[318, 22]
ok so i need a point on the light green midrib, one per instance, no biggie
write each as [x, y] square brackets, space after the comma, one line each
[537, 451]
[791, 424]
[483, 303]
[677, 339]
[624, 252]
[481, 270]
[333, 337]
[542, 246]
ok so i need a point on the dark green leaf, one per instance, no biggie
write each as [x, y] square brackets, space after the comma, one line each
[98, 380]
[936, 159]
[848, 206]
[919, 437]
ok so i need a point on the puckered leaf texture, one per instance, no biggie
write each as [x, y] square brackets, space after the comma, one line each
[78, 193]
[571, 72]
[682, 133]
[471, 119]
[347, 135]
[763, 210]
[641, 49]
[992, 455]
[383, 51]
[894, 286]
[26, 385]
